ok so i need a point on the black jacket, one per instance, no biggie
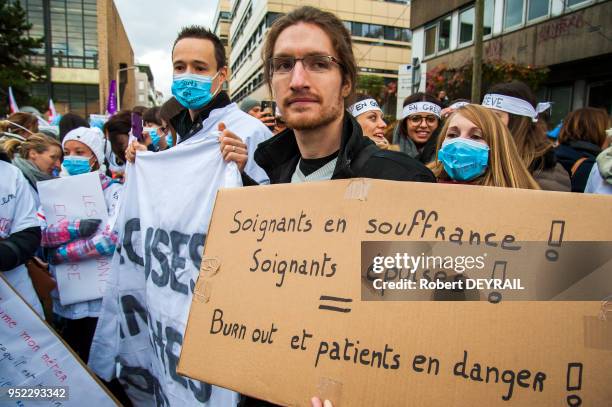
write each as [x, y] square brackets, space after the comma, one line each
[280, 155]
[570, 152]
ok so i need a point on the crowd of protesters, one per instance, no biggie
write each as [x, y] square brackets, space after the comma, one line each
[317, 129]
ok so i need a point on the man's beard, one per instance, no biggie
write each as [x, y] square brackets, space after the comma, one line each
[326, 117]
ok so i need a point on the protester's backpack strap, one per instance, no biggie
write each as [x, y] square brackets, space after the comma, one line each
[577, 165]
[364, 155]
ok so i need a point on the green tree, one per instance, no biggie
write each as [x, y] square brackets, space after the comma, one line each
[15, 46]
[370, 85]
[457, 81]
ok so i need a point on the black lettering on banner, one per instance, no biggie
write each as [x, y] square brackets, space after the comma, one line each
[160, 279]
[178, 239]
[144, 381]
[132, 308]
[157, 340]
[195, 253]
[147, 253]
[172, 337]
[131, 226]
[201, 393]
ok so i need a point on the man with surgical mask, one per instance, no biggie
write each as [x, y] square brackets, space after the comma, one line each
[204, 109]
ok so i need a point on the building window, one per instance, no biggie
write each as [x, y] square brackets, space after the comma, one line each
[487, 27]
[444, 37]
[571, 3]
[430, 40]
[467, 19]
[74, 35]
[537, 9]
[513, 13]
[141, 85]
[271, 18]
[561, 99]
[466, 25]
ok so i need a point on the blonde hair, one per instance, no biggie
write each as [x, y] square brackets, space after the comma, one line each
[37, 142]
[20, 123]
[506, 168]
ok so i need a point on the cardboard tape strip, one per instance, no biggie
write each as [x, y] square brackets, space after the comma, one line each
[209, 266]
[329, 389]
[358, 189]
[202, 291]
[598, 329]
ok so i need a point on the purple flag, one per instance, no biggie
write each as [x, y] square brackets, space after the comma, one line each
[111, 105]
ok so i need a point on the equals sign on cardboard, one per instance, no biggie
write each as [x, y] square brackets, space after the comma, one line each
[339, 304]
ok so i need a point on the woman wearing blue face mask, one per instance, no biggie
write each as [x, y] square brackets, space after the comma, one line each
[82, 239]
[476, 148]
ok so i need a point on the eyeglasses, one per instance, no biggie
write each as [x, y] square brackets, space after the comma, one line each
[311, 63]
[416, 119]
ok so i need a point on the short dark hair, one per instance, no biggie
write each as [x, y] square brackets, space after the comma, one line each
[360, 97]
[70, 121]
[422, 97]
[197, 31]
[333, 27]
[152, 116]
[120, 123]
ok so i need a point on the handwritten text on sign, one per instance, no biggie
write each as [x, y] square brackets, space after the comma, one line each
[279, 299]
[31, 355]
[70, 198]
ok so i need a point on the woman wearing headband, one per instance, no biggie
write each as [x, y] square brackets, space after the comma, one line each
[418, 130]
[370, 117]
[515, 104]
[476, 148]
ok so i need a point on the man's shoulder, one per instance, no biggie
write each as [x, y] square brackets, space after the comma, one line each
[394, 165]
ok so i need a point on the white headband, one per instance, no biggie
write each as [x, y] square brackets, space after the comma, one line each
[363, 106]
[457, 105]
[514, 105]
[421, 107]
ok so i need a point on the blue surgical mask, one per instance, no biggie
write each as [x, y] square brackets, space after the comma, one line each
[191, 90]
[153, 133]
[464, 159]
[76, 164]
[169, 140]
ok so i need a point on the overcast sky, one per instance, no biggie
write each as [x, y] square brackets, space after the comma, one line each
[152, 26]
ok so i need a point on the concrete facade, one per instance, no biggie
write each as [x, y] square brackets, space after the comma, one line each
[222, 23]
[85, 43]
[115, 52]
[572, 39]
[375, 56]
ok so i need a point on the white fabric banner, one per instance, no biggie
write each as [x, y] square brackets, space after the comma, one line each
[162, 225]
[77, 197]
[32, 355]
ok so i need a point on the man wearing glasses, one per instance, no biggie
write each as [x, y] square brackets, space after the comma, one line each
[311, 72]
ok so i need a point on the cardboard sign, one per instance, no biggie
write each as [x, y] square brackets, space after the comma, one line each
[32, 355]
[77, 197]
[277, 311]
